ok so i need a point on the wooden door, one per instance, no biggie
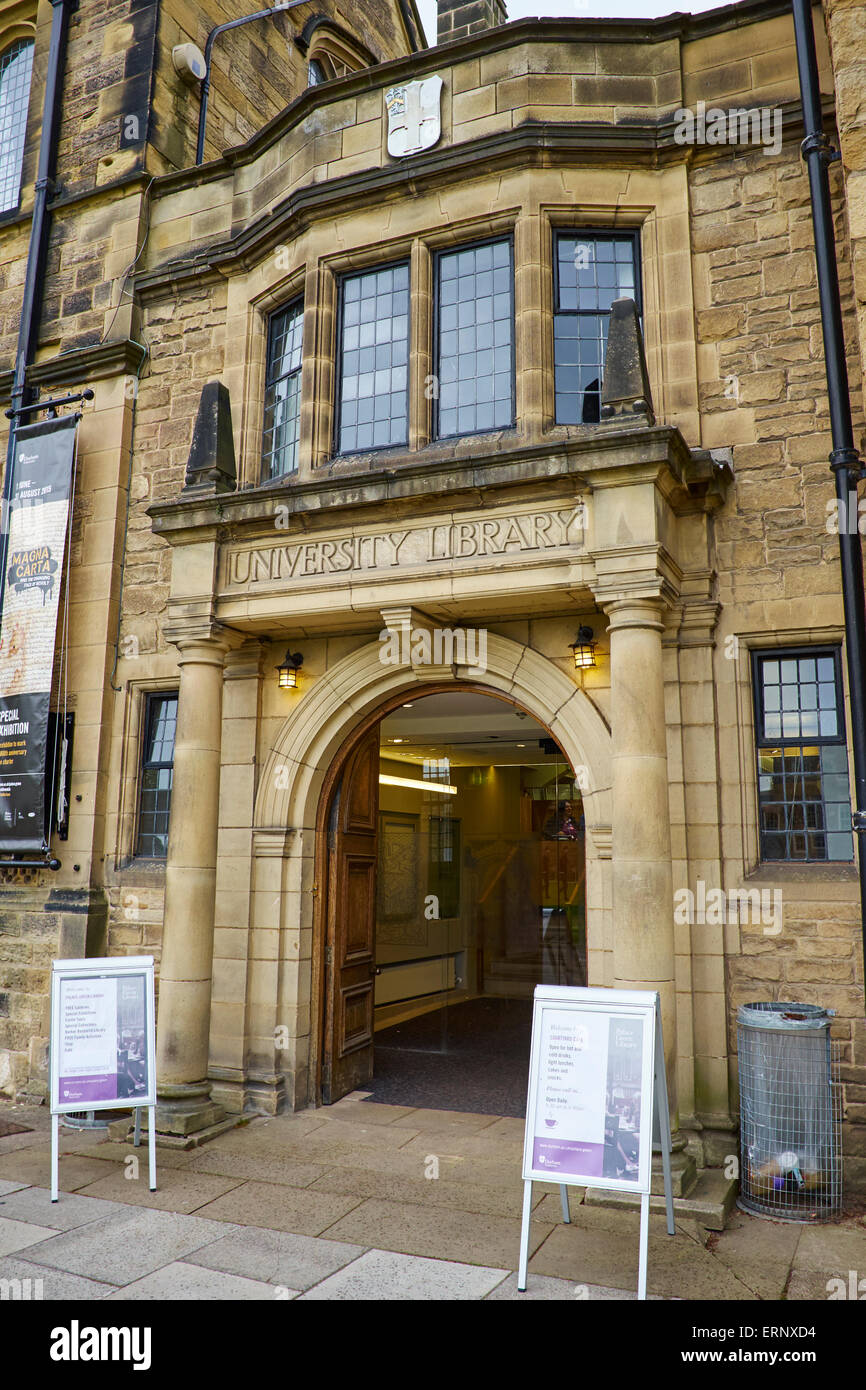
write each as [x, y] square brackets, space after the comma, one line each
[350, 942]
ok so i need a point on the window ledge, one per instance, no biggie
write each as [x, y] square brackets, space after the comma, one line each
[141, 873]
[784, 871]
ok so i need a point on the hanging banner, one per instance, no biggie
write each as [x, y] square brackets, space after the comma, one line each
[37, 520]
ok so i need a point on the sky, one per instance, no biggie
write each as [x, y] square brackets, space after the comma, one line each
[581, 9]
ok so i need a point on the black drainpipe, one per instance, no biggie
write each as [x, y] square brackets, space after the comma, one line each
[844, 460]
[31, 304]
[280, 8]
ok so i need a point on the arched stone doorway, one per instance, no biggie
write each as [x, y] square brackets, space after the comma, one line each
[294, 795]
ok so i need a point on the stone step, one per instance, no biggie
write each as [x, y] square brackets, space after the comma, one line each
[709, 1202]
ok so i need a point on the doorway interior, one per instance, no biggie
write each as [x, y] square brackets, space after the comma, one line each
[474, 877]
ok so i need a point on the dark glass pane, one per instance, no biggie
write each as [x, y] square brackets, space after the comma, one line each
[156, 776]
[803, 789]
[476, 324]
[593, 270]
[16, 66]
[283, 393]
[373, 357]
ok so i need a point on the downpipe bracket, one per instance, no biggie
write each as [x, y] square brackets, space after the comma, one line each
[858, 822]
[819, 143]
[849, 460]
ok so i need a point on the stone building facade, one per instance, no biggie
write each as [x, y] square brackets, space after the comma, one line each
[702, 546]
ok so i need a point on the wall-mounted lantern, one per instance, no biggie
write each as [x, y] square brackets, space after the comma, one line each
[583, 648]
[287, 671]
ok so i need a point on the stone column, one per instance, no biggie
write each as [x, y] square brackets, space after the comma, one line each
[183, 1022]
[643, 928]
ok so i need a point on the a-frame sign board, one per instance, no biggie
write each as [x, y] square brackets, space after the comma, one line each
[103, 1045]
[597, 1098]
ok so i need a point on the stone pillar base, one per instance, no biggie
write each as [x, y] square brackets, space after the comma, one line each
[186, 1116]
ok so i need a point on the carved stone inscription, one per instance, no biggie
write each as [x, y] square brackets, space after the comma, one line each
[436, 545]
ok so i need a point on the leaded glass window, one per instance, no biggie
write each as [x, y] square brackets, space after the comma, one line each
[283, 392]
[592, 269]
[373, 410]
[804, 798]
[157, 766]
[475, 339]
[16, 66]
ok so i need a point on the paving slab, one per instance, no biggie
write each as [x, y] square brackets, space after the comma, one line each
[834, 1249]
[678, 1267]
[33, 1167]
[296, 1209]
[179, 1281]
[176, 1189]
[350, 1132]
[50, 1284]
[539, 1288]
[11, 1143]
[117, 1151]
[382, 1275]
[278, 1167]
[121, 1248]
[368, 1112]
[412, 1229]
[35, 1204]
[464, 1195]
[10, 1185]
[470, 1145]
[507, 1127]
[274, 1130]
[278, 1257]
[348, 1154]
[816, 1286]
[444, 1121]
[759, 1253]
[16, 1235]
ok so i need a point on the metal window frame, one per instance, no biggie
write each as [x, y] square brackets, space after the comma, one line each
[150, 698]
[592, 234]
[761, 654]
[296, 302]
[437, 258]
[762, 741]
[354, 274]
[22, 41]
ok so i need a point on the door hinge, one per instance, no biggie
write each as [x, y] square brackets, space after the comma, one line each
[329, 956]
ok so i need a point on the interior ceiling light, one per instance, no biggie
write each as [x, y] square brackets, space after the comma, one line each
[386, 781]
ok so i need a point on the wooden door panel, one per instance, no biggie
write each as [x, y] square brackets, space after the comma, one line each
[357, 1017]
[358, 906]
[351, 924]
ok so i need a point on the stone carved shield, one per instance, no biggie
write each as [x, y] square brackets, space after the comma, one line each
[414, 120]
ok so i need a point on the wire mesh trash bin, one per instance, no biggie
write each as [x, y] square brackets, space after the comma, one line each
[790, 1112]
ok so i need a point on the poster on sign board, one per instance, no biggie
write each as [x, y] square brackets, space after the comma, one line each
[102, 1053]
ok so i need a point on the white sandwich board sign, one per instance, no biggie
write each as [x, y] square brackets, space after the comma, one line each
[597, 1096]
[103, 1043]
